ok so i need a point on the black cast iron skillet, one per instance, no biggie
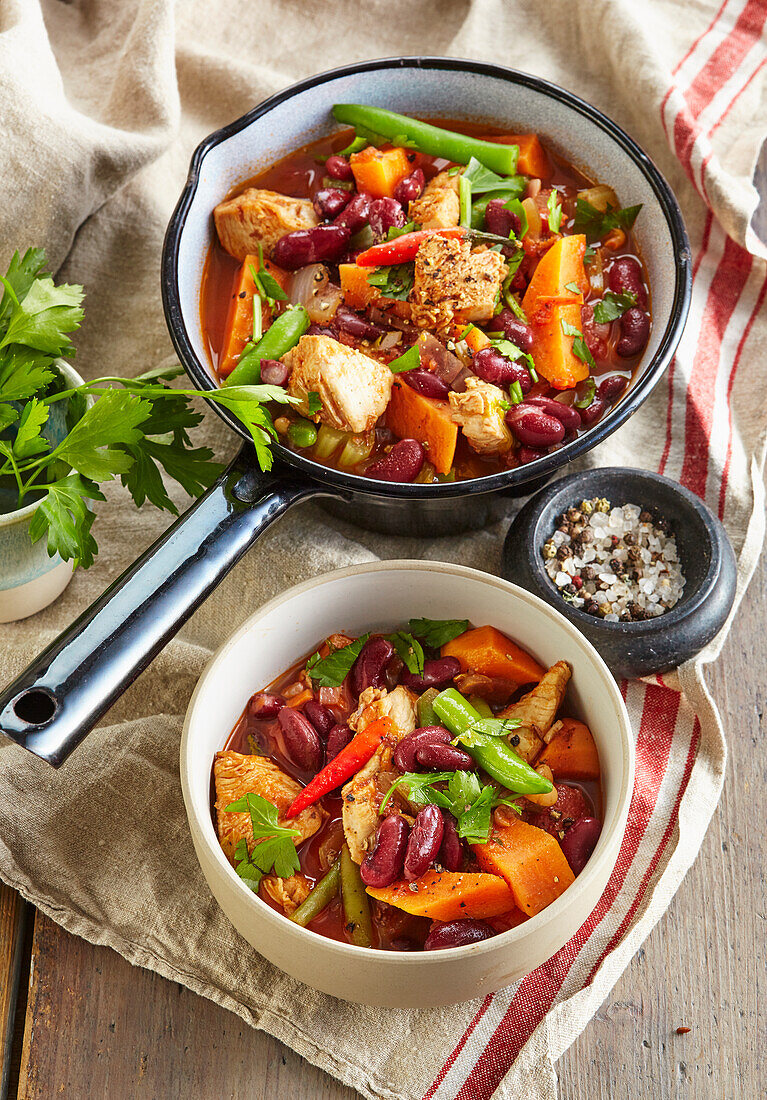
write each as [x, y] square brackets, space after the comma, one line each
[51, 706]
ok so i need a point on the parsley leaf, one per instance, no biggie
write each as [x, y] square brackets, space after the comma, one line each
[395, 231]
[483, 181]
[44, 316]
[419, 788]
[408, 650]
[395, 281]
[470, 802]
[597, 223]
[19, 277]
[245, 869]
[65, 518]
[407, 361]
[574, 288]
[555, 211]
[91, 447]
[23, 372]
[487, 727]
[29, 441]
[313, 402]
[613, 306]
[273, 849]
[580, 347]
[437, 632]
[332, 670]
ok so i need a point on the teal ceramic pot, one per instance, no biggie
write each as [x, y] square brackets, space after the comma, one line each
[29, 578]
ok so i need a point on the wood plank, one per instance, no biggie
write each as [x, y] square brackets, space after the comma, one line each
[131, 1033]
[12, 919]
[702, 967]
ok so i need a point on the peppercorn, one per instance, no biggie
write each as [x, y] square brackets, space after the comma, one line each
[629, 538]
[570, 589]
[626, 616]
[662, 525]
[549, 549]
[588, 573]
[574, 515]
[563, 553]
[577, 582]
[603, 505]
[587, 535]
[618, 567]
[592, 607]
[614, 541]
[634, 554]
[587, 507]
[645, 517]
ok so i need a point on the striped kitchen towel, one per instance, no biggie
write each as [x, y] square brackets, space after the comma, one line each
[688, 82]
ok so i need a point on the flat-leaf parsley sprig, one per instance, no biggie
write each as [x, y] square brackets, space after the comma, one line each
[136, 429]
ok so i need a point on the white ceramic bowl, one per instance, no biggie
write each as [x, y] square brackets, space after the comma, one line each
[382, 595]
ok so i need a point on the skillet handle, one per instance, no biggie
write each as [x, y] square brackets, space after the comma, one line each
[63, 693]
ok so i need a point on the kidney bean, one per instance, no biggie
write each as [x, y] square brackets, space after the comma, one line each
[347, 320]
[457, 933]
[612, 387]
[595, 410]
[635, 330]
[579, 842]
[451, 849]
[513, 329]
[368, 670]
[425, 382]
[443, 758]
[330, 201]
[264, 706]
[534, 427]
[437, 673]
[565, 414]
[595, 334]
[493, 367]
[274, 373]
[404, 755]
[626, 275]
[355, 216]
[528, 454]
[500, 220]
[410, 188]
[424, 842]
[385, 214]
[403, 462]
[322, 718]
[338, 738]
[311, 246]
[338, 168]
[383, 865]
[321, 330]
[302, 742]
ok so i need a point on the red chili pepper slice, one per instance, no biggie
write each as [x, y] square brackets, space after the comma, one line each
[348, 762]
[404, 248]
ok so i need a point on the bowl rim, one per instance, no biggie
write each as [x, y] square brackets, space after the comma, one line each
[542, 467]
[689, 603]
[558, 908]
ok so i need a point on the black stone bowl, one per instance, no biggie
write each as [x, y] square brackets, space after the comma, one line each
[705, 553]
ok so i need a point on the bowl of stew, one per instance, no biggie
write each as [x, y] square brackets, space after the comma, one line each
[407, 785]
[456, 276]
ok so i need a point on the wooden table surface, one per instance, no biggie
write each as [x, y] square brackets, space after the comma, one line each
[78, 1022]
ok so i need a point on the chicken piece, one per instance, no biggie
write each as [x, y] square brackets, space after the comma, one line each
[353, 388]
[260, 217]
[526, 743]
[481, 414]
[235, 775]
[363, 794]
[287, 892]
[494, 689]
[439, 206]
[452, 283]
[538, 709]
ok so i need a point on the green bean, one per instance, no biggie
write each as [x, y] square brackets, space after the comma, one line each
[491, 753]
[429, 139]
[464, 195]
[356, 905]
[302, 433]
[320, 897]
[424, 709]
[481, 707]
[283, 334]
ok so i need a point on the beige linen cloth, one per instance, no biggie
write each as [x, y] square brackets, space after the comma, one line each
[101, 104]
